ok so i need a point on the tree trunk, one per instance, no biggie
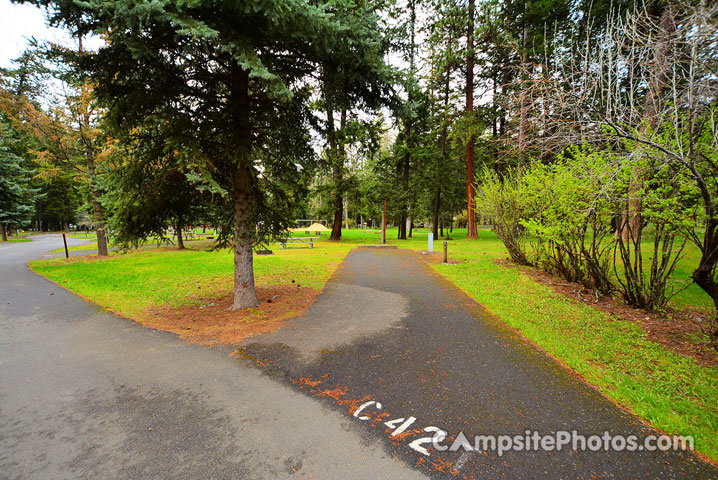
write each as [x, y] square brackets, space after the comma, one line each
[411, 228]
[96, 206]
[338, 206]
[470, 193]
[435, 217]
[97, 214]
[3, 232]
[405, 185]
[661, 67]
[245, 294]
[703, 275]
[442, 151]
[337, 156]
[524, 100]
[346, 213]
[178, 232]
[406, 161]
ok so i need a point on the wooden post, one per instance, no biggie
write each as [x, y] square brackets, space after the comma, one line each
[383, 225]
[446, 252]
[64, 240]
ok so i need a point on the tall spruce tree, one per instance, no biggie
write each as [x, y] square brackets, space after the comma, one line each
[17, 197]
[223, 82]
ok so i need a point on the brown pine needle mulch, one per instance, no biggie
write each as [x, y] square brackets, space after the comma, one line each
[676, 330]
[212, 323]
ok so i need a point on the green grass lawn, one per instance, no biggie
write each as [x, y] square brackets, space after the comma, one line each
[132, 282]
[672, 392]
[18, 240]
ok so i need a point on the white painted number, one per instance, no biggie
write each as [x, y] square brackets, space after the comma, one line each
[400, 428]
[439, 435]
[363, 406]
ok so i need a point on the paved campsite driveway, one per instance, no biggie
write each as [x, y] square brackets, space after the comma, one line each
[86, 394]
[389, 329]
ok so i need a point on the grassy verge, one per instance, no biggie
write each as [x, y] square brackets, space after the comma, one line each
[131, 283]
[17, 240]
[672, 392]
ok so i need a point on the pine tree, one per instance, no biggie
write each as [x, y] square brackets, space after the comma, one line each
[223, 82]
[17, 197]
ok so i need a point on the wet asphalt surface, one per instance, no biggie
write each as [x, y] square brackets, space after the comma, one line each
[87, 394]
[389, 329]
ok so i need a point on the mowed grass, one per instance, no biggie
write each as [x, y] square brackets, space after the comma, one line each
[671, 392]
[131, 283]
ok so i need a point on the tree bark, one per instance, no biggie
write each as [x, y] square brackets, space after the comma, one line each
[405, 185]
[470, 193]
[346, 213]
[442, 150]
[662, 63]
[336, 152]
[245, 293]
[92, 174]
[3, 232]
[524, 101]
[703, 275]
[178, 232]
[96, 205]
[435, 217]
[406, 161]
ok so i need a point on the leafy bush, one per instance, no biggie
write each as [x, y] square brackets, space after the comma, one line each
[570, 218]
[503, 200]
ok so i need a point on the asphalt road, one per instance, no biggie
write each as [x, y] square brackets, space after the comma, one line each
[87, 394]
[391, 330]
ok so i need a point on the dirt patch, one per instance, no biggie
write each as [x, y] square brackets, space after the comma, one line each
[675, 330]
[211, 323]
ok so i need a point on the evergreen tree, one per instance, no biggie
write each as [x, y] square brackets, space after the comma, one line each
[17, 197]
[223, 82]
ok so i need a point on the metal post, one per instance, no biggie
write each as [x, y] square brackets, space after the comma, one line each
[446, 253]
[64, 240]
[383, 225]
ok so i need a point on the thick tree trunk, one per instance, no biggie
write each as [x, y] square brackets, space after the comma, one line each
[411, 228]
[703, 275]
[3, 232]
[178, 232]
[97, 214]
[96, 205]
[337, 154]
[470, 204]
[245, 294]
[338, 207]
[435, 217]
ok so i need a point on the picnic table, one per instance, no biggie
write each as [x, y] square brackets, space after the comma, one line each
[298, 241]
